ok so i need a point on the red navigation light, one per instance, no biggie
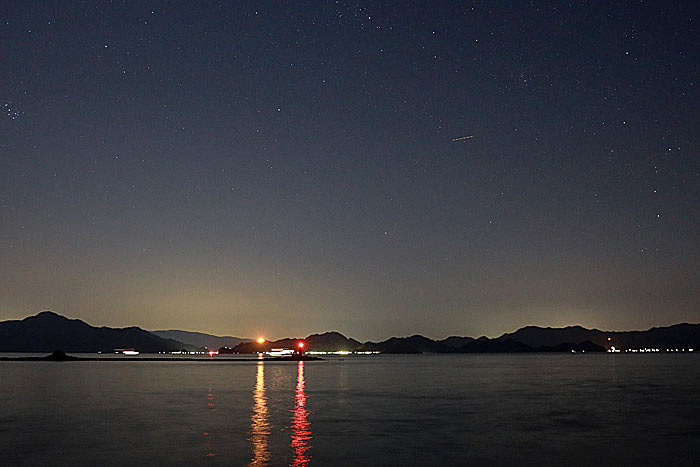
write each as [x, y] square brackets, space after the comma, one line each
[300, 345]
[211, 353]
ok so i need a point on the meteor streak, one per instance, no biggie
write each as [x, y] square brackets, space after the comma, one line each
[462, 138]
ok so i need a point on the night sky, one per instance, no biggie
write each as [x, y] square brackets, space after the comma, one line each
[283, 168]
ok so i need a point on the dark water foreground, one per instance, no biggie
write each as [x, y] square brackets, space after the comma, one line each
[375, 410]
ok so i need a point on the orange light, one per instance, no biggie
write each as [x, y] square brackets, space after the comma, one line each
[261, 340]
[301, 345]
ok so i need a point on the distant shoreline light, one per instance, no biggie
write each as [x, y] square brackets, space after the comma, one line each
[648, 350]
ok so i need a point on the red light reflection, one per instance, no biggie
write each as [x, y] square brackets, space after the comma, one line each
[301, 428]
[206, 442]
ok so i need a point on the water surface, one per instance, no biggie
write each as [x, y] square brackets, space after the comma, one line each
[536, 409]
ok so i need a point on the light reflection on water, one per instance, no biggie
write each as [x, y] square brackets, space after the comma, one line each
[260, 426]
[385, 410]
[206, 439]
[260, 423]
[301, 428]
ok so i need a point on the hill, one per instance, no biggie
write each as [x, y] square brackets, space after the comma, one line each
[456, 341]
[676, 336]
[412, 344]
[328, 341]
[331, 341]
[199, 339]
[49, 331]
[421, 344]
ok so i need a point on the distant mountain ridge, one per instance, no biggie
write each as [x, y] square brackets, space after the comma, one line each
[199, 339]
[527, 339]
[328, 341]
[678, 335]
[48, 331]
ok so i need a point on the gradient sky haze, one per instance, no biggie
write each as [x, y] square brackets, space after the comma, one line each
[283, 168]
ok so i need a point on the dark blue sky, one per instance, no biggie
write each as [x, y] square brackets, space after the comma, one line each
[282, 168]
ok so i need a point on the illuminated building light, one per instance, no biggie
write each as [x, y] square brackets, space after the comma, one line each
[279, 352]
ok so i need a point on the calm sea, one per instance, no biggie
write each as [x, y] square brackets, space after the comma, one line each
[602, 410]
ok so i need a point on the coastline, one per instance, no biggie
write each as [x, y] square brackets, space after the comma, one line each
[60, 356]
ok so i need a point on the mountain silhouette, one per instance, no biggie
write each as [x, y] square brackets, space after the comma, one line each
[48, 331]
[328, 341]
[527, 339]
[199, 339]
[676, 336]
